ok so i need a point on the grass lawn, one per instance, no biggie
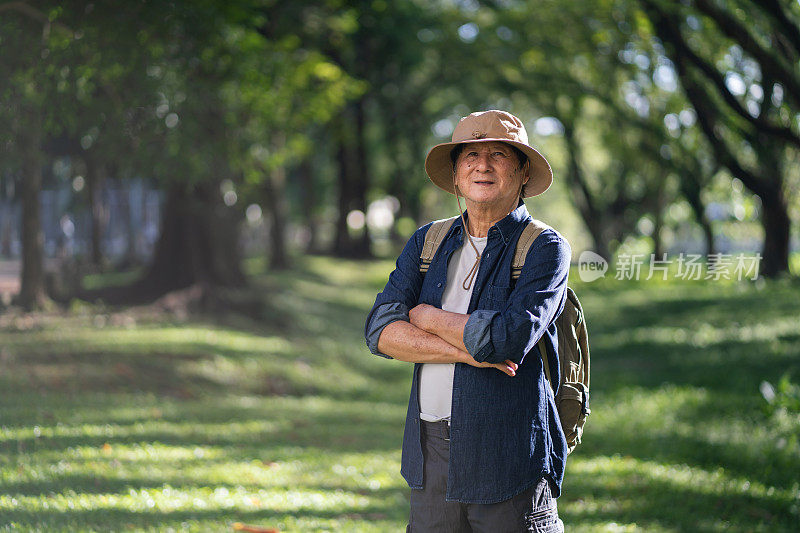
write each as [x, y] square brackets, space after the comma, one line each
[139, 421]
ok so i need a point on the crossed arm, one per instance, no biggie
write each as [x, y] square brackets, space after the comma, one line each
[432, 335]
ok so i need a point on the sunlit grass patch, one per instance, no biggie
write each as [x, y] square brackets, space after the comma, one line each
[116, 420]
[672, 496]
[286, 460]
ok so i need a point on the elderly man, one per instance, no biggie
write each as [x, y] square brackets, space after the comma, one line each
[483, 448]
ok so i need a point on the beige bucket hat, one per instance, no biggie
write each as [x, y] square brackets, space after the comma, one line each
[485, 126]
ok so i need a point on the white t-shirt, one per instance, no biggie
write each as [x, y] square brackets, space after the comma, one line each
[436, 379]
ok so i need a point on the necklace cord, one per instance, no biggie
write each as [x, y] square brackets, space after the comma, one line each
[473, 272]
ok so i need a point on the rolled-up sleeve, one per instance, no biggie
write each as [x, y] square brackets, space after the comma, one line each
[400, 294]
[383, 316]
[534, 303]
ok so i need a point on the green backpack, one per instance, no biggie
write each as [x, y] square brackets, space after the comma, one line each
[572, 400]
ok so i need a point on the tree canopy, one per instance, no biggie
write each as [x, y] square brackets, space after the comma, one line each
[315, 110]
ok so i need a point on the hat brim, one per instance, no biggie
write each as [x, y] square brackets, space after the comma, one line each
[439, 166]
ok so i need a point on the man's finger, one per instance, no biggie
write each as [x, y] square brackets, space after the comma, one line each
[503, 367]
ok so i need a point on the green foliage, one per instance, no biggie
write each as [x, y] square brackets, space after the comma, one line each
[248, 91]
[785, 396]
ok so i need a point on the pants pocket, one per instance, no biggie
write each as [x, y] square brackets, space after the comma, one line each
[543, 518]
[544, 521]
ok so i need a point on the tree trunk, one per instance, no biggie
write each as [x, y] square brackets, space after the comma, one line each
[5, 228]
[691, 188]
[776, 223]
[353, 180]
[582, 195]
[144, 238]
[708, 233]
[275, 202]
[95, 185]
[401, 145]
[32, 291]
[197, 246]
[198, 241]
[417, 149]
[126, 214]
[361, 166]
[705, 224]
[658, 217]
[601, 243]
[308, 199]
[343, 243]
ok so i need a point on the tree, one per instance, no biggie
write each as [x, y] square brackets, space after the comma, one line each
[34, 42]
[612, 152]
[376, 44]
[744, 111]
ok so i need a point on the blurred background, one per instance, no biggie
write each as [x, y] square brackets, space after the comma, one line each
[175, 138]
[200, 199]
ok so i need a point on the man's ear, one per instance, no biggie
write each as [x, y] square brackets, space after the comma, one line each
[526, 171]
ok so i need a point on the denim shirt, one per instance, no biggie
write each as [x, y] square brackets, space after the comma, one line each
[505, 433]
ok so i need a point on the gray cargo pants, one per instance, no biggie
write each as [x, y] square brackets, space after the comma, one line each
[534, 509]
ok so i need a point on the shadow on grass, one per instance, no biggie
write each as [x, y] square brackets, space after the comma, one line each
[698, 439]
[187, 395]
[100, 485]
[653, 503]
[241, 436]
[654, 347]
[219, 517]
[728, 365]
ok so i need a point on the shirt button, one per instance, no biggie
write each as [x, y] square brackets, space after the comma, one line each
[439, 285]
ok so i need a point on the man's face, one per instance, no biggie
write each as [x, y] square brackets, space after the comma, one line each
[489, 173]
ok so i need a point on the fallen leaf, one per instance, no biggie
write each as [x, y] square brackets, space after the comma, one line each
[238, 526]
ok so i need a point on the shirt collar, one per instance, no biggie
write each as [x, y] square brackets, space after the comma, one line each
[505, 226]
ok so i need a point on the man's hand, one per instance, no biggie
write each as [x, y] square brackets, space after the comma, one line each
[508, 366]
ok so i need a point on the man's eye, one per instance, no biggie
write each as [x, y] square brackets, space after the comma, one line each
[472, 154]
[499, 154]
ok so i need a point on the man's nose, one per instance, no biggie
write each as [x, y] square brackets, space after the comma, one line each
[483, 162]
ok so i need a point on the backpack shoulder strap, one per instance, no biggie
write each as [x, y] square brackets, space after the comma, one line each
[433, 238]
[529, 234]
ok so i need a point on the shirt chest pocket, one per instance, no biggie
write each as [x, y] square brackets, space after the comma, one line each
[494, 297]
